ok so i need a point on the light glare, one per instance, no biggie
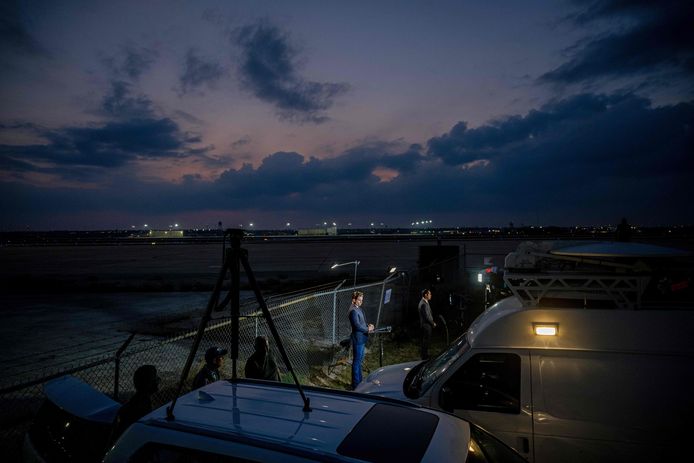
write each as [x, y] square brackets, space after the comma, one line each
[546, 329]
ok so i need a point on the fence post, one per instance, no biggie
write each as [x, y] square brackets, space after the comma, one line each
[116, 374]
[335, 311]
[465, 282]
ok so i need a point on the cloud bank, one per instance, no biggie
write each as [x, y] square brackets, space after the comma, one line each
[599, 157]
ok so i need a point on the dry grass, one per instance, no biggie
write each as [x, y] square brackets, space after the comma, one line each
[397, 348]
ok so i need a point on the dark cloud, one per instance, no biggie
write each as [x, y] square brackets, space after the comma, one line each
[290, 178]
[111, 145]
[130, 62]
[461, 145]
[119, 103]
[590, 155]
[144, 137]
[584, 129]
[14, 34]
[269, 69]
[654, 36]
[198, 72]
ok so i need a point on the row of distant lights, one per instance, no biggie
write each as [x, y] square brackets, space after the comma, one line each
[147, 226]
[421, 222]
[288, 224]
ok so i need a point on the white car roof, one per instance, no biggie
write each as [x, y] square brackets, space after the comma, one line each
[349, 426]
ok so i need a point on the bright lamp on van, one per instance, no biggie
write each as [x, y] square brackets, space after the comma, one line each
[546, 329]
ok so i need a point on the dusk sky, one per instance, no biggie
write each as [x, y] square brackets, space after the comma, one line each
[468, 113]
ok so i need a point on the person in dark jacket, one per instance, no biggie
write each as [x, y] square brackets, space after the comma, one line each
[261, 364]
[146, 383]
[426, 323]
[359, 336]
[214, 359]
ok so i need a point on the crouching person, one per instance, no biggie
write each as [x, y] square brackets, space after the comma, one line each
[214, 359]
[261, 364]
[146, 383]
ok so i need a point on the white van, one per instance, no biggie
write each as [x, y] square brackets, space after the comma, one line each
[566, 384]
[610, 385]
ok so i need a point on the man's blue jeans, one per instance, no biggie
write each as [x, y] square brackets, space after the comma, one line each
[357, 358]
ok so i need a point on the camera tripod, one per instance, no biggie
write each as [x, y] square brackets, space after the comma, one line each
[234, 258]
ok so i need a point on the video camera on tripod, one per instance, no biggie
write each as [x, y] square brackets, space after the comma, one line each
[345, 343]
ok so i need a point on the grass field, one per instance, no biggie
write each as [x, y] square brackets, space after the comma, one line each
[398, 347]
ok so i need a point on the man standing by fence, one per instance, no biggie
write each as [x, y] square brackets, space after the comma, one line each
[426, 323]
[360, 334]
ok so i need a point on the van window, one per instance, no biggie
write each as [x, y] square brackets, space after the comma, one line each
[487, 382]
[426, 373]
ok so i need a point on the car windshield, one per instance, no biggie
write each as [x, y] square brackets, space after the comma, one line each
[61, 436]
[426, 373]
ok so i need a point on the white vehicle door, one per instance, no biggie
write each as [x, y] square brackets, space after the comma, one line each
[492, 390]
[609, 406]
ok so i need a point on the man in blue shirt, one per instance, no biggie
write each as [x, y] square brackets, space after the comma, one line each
[360, 334]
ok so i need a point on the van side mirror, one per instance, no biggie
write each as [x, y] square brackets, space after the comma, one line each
[446, 399]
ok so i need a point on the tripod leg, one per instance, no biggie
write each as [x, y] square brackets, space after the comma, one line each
[271, 325]
[214, 298]
[234, 292]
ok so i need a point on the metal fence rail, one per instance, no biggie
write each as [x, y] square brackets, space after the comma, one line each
[310, 324]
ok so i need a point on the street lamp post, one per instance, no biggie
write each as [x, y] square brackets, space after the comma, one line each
[355, 262]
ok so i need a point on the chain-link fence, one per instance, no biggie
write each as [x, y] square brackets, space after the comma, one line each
[311, 325]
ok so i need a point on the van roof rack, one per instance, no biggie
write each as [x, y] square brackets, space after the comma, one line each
[624, 292]
[583, 274]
